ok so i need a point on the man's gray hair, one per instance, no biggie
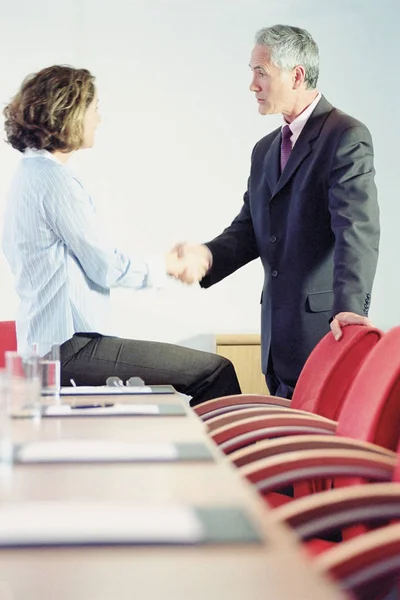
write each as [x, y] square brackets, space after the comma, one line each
[289, 47]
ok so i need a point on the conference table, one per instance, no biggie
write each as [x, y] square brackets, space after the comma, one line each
[273, 567]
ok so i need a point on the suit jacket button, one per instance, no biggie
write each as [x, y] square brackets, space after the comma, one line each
[272, 239]
[274, 273]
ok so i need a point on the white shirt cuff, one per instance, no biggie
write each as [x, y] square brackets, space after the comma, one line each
[156, 271]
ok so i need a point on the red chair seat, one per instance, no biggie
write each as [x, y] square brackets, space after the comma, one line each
[316, 547]
[275, 499]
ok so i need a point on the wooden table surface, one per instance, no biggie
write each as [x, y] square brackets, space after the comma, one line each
[275, 569]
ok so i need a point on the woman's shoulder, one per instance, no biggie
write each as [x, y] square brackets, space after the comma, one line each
[45, 171]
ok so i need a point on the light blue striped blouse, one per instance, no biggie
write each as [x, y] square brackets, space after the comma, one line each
[60, 255]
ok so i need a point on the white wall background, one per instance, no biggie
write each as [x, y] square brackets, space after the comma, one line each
[172, 154]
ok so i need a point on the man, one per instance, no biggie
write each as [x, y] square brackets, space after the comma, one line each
[310, 211]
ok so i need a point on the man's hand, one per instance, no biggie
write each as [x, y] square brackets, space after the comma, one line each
[188, 262]
[195, 261]
[347, 318]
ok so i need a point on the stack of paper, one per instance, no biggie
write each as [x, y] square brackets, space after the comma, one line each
[94, 451]
[62, 523]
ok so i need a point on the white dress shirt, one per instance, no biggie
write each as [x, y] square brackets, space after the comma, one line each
[60, 255]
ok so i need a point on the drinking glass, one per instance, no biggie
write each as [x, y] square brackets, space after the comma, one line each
[49, 356]
[23, 376]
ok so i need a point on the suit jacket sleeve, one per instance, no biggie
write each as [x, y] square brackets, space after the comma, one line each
[233, 248]
[355, 221]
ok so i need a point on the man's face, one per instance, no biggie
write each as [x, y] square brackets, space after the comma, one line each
[272, 87]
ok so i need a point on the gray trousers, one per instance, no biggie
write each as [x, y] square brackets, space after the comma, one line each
[89, 358]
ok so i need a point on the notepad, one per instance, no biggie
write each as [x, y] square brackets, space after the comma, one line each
[108, 390]
[62, 410]
[104, 390]
[94, 450]
[88, 523]
[72, 523]
[108, 451]
[97, 409]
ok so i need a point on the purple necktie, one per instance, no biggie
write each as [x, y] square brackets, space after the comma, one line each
[286, 146]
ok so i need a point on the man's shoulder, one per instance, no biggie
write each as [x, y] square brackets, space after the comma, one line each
[342, 128]
[339, 118]
[267, 140]
[272, 135]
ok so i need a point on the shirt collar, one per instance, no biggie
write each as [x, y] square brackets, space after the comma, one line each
[33, 153]
[298, 123]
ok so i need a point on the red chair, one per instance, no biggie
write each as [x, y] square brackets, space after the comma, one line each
[338, 508]
[361, 562]
[8, 339]
[368, 566]
[370, 414]
[347, 510]
[321, 388]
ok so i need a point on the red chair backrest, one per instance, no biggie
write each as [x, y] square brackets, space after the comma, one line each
[371, 411]
[331, 368]
[8, 339]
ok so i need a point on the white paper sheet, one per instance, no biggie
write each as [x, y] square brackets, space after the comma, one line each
[41, 523]
[64, 410]
[95, 450]
[104, 390]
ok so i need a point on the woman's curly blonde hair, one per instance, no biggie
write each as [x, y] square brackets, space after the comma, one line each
[48, 111]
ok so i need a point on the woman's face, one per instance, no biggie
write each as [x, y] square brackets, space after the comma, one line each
[90, 122]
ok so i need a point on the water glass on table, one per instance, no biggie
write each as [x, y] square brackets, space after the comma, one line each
[49, 356]
[23, 380]
[5, 425]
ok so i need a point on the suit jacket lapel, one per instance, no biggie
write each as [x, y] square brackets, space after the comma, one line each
[272, 167]
[303, 146]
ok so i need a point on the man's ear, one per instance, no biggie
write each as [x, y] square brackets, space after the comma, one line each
[299, 74]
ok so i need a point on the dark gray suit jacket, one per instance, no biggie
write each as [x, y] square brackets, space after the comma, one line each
[316, 230]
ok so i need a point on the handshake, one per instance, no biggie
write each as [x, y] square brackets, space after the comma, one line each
[188, 262]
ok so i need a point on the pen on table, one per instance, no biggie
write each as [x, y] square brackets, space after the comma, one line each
[106, 405]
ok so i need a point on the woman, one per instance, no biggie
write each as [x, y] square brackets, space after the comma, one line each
[62, 261]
